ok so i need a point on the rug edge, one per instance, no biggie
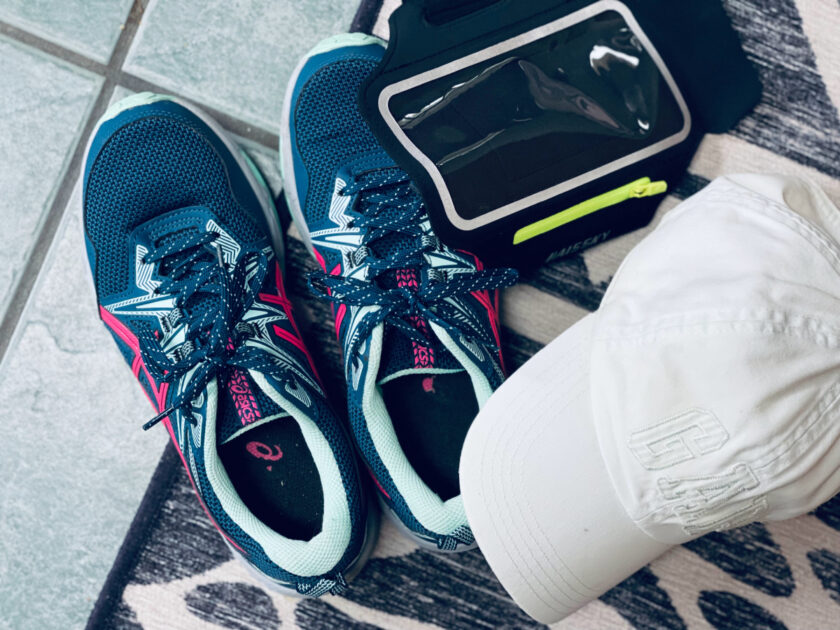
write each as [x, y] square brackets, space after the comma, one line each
[127, 556]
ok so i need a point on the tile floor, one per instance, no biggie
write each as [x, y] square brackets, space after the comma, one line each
[73, 461]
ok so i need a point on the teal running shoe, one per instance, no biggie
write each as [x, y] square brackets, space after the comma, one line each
[418, 321]
[186, 255]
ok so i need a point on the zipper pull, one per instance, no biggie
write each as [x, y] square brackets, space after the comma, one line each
[648, 189]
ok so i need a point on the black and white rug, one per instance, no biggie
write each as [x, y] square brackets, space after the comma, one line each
[174, 572]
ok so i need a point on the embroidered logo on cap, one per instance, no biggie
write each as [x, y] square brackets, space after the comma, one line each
[700, 503]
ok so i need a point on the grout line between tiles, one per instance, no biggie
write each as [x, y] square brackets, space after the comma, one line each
[51, 48]
[114, 76]
[113, 73]
[44, 239]
[237, 126]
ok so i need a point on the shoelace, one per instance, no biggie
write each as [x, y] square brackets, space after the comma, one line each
[388, 204]
[215, 334]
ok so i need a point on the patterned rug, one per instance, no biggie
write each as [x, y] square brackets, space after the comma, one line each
[174, 572]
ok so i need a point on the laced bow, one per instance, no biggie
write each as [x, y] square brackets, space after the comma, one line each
[389, 205]
[211, 299]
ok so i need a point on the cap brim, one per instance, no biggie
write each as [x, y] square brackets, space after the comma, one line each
[536, 490]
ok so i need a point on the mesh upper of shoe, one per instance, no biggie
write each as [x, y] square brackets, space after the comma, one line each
[146, 168]
[329, 134]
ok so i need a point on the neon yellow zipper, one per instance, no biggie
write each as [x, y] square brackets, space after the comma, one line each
[634, 190]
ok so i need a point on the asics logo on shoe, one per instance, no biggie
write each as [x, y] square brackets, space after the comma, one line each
[263, 451]
[299, 393]
[356, 370]
[243, 397]
[473, 347]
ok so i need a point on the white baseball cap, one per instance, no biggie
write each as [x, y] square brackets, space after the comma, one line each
[704, 394]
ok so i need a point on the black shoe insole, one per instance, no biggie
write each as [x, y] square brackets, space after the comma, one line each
[274, 474]
[431, 414]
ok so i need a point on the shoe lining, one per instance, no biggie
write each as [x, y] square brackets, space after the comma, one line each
[274, 474]
[431, 414]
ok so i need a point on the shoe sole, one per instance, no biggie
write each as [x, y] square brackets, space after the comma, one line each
[369, 544]
[246, 164]
[286, 159]
[420, 542]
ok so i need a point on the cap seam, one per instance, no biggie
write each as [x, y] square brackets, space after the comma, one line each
[501, 529]
[825, 245]
[510, 535]
[527, 503]
[790, 219]
[538, 429]
[828, 337]
[807, 435]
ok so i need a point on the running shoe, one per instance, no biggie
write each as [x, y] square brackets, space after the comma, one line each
[186, 253]
[418, 322]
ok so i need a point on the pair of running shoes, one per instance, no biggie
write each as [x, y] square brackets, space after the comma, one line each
[186, 251]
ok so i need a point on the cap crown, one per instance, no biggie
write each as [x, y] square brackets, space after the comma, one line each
[716, 361]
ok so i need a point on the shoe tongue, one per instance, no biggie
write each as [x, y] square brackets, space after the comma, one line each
[402, 355]
[242, 405]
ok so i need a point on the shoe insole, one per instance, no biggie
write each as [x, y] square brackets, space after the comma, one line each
[274, 474]
[431, 414]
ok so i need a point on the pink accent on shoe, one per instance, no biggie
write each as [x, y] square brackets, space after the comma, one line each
[168, 424]
[429, 384]
[298, 343]
[243, 397]
[277, 300]
[496, 324]
[378, 485]
[121, 331]
[281, 300]
[492, 306]
[158, 402]
[342, 309]
[407, 278]
[320, 259]
[339, 317]
[424, 356]
[263, 451]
